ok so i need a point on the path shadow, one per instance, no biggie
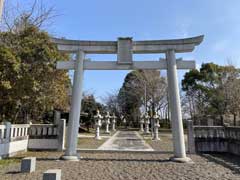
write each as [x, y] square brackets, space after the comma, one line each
[126, 159]
[13, 172]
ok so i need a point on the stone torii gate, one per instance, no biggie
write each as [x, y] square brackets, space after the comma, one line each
[125, 48]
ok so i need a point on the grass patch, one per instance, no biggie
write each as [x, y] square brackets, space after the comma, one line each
[90, 143]
[8, 161]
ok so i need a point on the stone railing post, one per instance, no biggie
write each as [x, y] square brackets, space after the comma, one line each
[8, 131]
[57, 117]
[191, 140]
[61, 134]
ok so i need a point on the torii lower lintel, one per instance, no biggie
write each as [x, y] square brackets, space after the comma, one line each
[113, 65]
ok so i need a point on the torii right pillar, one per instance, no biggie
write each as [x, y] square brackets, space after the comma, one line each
[175, 108]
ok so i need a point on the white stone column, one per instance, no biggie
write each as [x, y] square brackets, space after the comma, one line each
[156, 127]
[114, 122]
[73, 124]
[147, 122]
[107, 122]
[175, 108]
[98, 124]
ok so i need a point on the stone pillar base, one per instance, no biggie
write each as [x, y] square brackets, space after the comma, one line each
[98, 138]
[181, 160]
[69, 158]
[156, 139]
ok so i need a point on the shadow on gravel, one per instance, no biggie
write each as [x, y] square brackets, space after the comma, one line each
[129, 160]
[13, 172]
[227, 160]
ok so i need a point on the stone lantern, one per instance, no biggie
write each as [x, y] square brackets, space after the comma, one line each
[147, 122]
[156, 127]
[113, 122]
[98, 124]
[141, 123]
[107, 122]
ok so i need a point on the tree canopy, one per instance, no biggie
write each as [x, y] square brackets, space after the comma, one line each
[212, 90]
[143, 90]
[30, 85]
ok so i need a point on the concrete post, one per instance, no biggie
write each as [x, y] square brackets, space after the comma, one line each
[52, 174]
[175, 108]
[73, 124]
[61, 134]
[107, 122]
[28, 164]
[98, 124]
[57, 116]
[191, 140]
[156, 126]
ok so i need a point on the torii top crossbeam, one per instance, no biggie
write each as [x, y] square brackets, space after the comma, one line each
[138, 47]
[125, 48]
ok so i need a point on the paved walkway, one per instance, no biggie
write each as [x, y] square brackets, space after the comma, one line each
[126, 141]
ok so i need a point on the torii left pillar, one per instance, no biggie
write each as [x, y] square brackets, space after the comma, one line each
[73, 124]
[175, 109]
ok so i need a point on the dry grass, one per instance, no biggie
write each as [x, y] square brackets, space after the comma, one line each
[90, 143]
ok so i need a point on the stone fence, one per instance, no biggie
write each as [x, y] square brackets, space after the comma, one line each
[13, 138]
[213, 139]
[22, 137]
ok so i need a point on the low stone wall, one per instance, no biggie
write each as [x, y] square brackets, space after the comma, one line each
[213, 139]
[47, 136]
[13, 138]
[23, 137]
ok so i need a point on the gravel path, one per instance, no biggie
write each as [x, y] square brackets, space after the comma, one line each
[127, 141]
[124, 166]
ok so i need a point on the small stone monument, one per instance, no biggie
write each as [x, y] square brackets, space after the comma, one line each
[107, 122]
[52, 174]
[98, 124]
[147, 122]
[141, 123]
[113, 122]
[28, 164]
[156, 127]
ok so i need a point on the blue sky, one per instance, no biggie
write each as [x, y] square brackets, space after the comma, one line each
[218, 20]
